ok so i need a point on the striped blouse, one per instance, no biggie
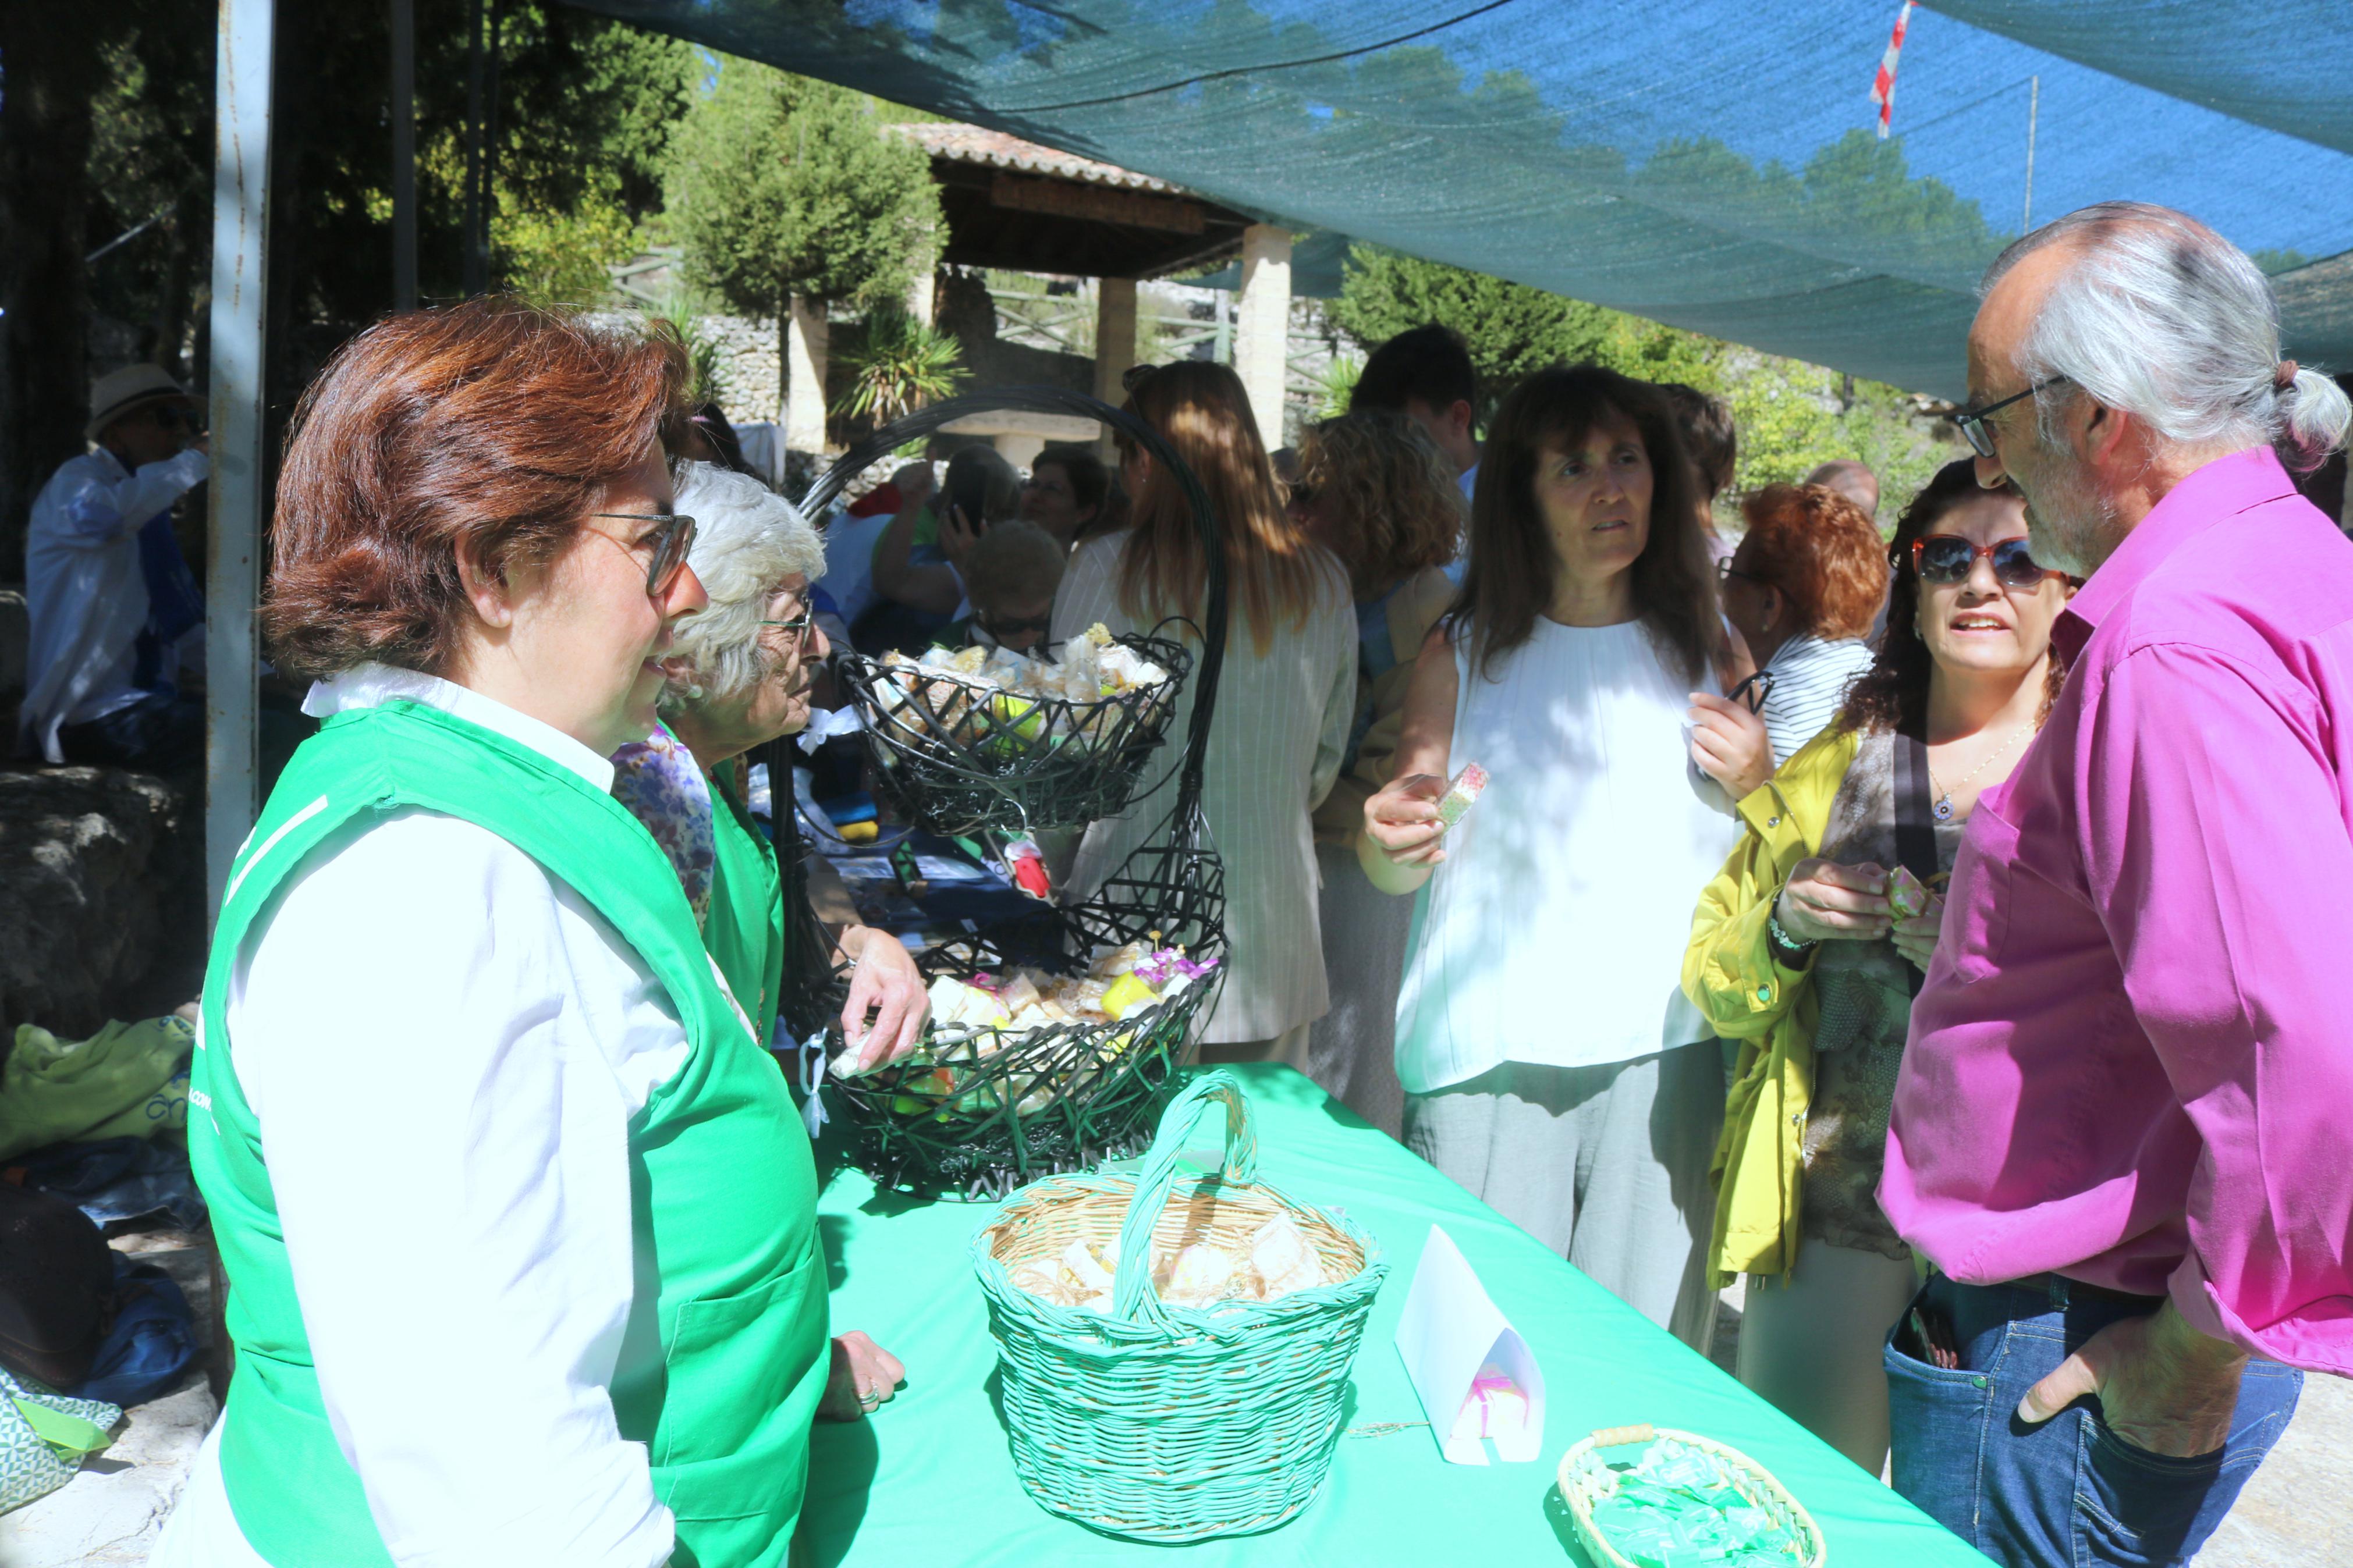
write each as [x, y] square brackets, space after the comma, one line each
[1275, 746]
[1810, 679]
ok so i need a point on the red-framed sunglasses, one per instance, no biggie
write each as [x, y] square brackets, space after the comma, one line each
[1947, 558]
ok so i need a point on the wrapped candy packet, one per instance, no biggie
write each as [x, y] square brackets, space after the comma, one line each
[1461, 791]
[1907, 894]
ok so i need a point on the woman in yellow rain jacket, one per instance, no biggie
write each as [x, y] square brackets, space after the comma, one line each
[1799, 954]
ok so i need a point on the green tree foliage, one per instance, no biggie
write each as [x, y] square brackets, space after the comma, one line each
[1792, 417]
[782, 185]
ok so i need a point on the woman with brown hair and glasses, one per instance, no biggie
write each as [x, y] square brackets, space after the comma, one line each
[1808, 946]
[1284, 705]
[1550, 1063]
[482, 1128]
[1375, 491]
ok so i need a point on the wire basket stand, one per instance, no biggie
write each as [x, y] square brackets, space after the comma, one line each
[984, 1111]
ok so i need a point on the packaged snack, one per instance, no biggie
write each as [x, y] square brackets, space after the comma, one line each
[1461, 793]
[1906, 894]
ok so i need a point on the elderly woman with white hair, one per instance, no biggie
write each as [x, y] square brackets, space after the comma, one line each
[740, 672]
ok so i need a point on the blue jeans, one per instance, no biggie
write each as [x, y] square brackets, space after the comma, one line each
[2068, 1493]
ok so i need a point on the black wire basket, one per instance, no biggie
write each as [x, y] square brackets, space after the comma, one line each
[962, 757]
[979, 1111]
[983, 1112]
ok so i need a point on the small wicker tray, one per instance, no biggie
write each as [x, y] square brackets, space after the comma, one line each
[1587, 1478]
[1162, 1423]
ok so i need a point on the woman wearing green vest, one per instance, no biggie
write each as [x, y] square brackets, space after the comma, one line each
[517, 1220]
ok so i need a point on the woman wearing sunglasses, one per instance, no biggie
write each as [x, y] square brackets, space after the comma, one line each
[483, 1135]
[1803, 950]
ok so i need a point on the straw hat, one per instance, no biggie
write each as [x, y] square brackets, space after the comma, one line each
[121, 391]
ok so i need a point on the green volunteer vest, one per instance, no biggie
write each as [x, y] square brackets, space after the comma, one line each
[745, 927]
[722, 1186]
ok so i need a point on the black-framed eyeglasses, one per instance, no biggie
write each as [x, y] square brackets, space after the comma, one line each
[671, 540]
[1754, 690]
[1972, 421]
[1947, 558]
[1725, 572]
[798, 628]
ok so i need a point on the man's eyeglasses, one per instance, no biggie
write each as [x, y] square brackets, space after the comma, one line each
[1972, 421]
[671, 540]
[1947, 558]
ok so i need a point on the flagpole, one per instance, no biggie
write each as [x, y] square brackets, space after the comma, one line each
[2034, 109]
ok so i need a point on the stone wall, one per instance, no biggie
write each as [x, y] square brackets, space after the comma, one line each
[101, 897]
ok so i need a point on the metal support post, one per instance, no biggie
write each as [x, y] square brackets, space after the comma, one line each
[239, 309]
[404, 154]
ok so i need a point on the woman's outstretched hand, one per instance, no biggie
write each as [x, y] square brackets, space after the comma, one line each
[888, 985]
[1401, 819]
[1730, 744]
[1825, 902]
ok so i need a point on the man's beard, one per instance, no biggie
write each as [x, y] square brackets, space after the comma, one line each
[2070, 527]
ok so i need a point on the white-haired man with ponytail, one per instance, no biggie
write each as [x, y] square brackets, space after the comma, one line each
[2119, 1129]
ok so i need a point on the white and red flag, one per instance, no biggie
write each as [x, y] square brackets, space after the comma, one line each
[1882, 88]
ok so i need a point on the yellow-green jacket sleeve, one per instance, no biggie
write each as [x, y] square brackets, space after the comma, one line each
[1746, 995]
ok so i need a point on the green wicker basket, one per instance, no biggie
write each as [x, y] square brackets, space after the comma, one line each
[1588, 1477]
[1164, 1423]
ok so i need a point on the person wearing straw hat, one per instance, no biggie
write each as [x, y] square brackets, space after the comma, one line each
[110, 597]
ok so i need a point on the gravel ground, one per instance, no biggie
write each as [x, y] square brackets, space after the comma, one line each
[2297, 1512]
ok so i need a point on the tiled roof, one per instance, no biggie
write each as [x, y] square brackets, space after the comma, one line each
[995, 150]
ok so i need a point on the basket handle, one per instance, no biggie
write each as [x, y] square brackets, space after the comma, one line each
[1133, 1298]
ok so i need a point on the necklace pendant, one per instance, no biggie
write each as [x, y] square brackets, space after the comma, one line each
[1944, 806]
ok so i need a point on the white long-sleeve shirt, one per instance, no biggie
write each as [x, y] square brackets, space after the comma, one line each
[83, 589]
[443, 1047]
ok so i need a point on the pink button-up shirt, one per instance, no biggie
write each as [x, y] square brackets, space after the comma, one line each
[2133, 1060]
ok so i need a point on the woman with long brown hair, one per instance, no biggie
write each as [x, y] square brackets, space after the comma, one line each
[1550, 1063]
[1284, 705]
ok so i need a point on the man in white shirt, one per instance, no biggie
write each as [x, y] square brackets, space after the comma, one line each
[1426, 375]
[109, 597]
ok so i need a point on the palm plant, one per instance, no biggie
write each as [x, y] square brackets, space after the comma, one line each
[901, 365]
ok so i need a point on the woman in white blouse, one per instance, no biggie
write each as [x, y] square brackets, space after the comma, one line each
[1551, 1063]
[490, 1148]
[1284, 702]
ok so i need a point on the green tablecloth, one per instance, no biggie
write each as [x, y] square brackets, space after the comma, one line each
[930, 1480]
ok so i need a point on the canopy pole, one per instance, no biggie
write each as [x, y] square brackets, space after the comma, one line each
[404, 154]
[1262, 325]
[477, 265]
[242, 126]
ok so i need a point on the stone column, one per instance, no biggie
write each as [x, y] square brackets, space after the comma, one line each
[804, 348]
[920, 294]
[1262, 325]
[1115, 344]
